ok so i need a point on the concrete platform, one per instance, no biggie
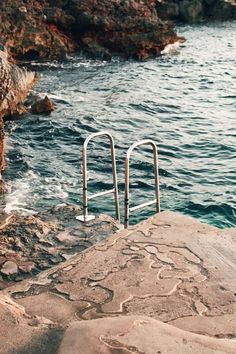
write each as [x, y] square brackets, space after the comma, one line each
[170, 268]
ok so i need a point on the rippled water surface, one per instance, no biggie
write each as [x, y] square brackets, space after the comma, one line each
[185, 101]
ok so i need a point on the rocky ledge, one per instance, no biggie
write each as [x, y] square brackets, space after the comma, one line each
[33, 243]
[168, 282]
[49, 29]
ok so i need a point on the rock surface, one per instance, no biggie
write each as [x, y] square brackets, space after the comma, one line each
[47, 29]
[138, 335]
[24, 334]
[15, 83]
[42, 106]
[170, 268]
[196, 10]
[31, 244]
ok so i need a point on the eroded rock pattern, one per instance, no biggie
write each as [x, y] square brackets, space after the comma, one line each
[170, 268]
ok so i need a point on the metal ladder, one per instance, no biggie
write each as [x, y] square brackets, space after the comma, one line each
[85, 217]
[157, 191]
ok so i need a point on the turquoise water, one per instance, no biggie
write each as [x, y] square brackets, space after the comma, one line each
[185, 101]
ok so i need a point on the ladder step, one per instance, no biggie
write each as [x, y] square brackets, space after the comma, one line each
[140, 206]
[101, 193]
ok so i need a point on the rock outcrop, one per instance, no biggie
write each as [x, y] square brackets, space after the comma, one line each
[196, 10]
[169, 268]
[47, 29]
[137, 335]
[31, 244]
[15, 83]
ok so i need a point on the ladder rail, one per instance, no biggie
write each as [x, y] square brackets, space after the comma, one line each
[127, 180]
[114, 190]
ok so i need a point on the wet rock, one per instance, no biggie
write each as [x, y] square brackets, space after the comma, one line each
[190, 10]
[196, 10]
[15, 83]
[36, 243]
[42, 106]
[9, 268]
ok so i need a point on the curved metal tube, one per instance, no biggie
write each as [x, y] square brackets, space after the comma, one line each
[115, 183]
[157, 189]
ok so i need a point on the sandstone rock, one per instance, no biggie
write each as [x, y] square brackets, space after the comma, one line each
[9, 268]
[21, 333]
[137, 334]
[26, 267]
[171, 268]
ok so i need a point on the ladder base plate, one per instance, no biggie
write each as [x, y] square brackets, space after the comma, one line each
[81, 218]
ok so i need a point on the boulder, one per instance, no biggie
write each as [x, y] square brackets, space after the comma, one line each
[9, 268]
[191, 10]
[42, 106]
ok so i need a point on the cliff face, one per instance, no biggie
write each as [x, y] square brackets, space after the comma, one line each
[46, 29]
[15, 84]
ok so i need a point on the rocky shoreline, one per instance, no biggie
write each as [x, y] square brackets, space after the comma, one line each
[192, 11]
[40, 29]
[168, 281]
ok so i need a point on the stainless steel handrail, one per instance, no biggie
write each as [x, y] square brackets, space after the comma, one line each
[157, 190]
[85, 217]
